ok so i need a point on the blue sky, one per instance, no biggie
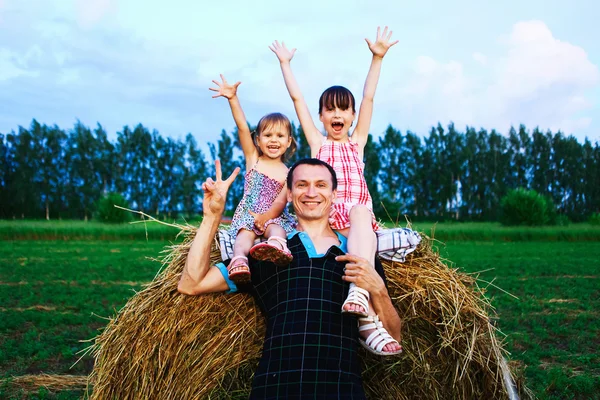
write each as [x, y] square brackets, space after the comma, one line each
[120, 62]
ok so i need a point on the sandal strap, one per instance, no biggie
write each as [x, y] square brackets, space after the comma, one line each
[358, 296]
[232, 264]
[373, 320]
[380, 337]
[281, 241]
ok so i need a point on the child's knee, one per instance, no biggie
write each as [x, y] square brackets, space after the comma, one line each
[360, 213]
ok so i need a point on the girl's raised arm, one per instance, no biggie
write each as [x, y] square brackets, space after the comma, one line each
[379, 48]
[224, 89]
[313, 136]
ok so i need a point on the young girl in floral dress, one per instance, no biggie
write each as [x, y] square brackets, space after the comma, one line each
[262, 210]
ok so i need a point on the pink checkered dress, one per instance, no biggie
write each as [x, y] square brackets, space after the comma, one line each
[352, 187]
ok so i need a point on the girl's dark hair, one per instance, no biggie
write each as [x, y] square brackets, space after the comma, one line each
[337, 96]
[275, 121]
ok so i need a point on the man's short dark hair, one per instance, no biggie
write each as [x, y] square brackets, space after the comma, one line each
[311, 161]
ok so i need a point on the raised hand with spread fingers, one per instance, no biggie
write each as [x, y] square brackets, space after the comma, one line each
[282, 52]
[224, 89]
[382, 43]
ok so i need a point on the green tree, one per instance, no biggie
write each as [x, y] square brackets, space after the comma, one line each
[452, 163]
[498, 164]
[394, 190]
[25, 190]
[107, 212]
[415, 174]
[169, 175]
[87, 185]
[567, 185]
[303, 150]
[134, 166]
[372, 171]
[526, 207]
[474, 182]
[518, 144]
[224, 151]
[591, 175]
[104, 159]
[540, 158]
[7, 172]
[195, 170]
[434, 176]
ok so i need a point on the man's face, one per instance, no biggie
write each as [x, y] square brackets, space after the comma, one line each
[312, 192]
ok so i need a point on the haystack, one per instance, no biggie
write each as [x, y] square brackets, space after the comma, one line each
[164, 345]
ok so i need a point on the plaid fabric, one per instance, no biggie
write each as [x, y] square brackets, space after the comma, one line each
[352, 188]
[310, 347]
[395, 244]
[392, 244]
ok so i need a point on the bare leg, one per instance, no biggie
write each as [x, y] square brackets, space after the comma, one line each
[243, 242]
[362, 242]
[276, 230]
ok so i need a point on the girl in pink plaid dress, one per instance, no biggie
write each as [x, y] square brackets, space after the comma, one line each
[352, 213]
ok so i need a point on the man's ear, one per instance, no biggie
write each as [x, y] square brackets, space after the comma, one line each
[289, 196]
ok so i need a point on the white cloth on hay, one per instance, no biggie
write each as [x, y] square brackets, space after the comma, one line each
[392, 244]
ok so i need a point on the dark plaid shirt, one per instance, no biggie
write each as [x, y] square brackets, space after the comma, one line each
[310, 347]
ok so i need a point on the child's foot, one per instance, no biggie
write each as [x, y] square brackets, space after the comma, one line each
[274, 250]
[238, 270]
[375, 338]
[357, 302]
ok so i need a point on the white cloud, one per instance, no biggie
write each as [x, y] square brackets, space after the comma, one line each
[152, 62]
[536, 61]
[90, 12]
[480, 58]
[13, 65]
[572, 125]
[538, 81]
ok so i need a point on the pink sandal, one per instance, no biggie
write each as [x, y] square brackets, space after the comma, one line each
[238, 269]
[277, 254]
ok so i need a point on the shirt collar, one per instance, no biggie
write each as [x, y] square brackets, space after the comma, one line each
[310, 248]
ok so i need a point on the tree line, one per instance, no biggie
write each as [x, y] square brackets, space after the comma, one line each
[48, 172]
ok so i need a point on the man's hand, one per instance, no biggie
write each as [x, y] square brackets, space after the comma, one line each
[215, 191]
[283, 54]
[259, 221]
[382, 43]
[225, 89]
[359, 271]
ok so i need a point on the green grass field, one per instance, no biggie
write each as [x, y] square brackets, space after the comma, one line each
[54, 293]
[446, 231]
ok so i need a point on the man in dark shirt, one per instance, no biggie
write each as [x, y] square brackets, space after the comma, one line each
[310, 347]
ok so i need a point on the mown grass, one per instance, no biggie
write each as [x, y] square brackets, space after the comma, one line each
[53, 295]
[553, 327]
[447, 231]
[82, 230]
[494, 231]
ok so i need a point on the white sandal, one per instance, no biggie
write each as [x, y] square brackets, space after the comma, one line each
[359, 297]
[378, 339]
